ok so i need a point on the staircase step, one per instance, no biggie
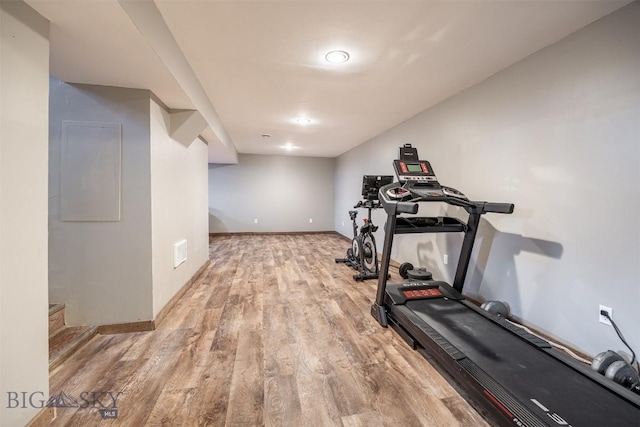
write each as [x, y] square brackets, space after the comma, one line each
[66, 342]
[56, 319]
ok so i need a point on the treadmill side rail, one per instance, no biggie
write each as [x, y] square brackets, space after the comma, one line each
[505, 407]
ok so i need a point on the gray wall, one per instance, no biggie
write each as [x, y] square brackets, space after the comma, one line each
[102, 270]
[558, 134]
[281, 192]
[179, 207]
[24, 79]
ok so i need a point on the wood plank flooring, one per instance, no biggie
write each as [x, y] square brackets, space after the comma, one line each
[273, 333]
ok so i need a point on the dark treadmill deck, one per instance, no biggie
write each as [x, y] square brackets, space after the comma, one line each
[530, 374]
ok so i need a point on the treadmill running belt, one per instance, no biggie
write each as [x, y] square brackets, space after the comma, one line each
[543, 384]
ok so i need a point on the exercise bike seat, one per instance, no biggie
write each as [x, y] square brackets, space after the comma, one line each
[353, 215]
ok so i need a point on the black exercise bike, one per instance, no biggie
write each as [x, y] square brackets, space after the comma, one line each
[363, 255]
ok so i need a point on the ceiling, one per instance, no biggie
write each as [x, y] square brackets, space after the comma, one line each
[252, 67]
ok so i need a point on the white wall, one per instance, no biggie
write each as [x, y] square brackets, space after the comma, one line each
[24, 82]
[558, 134]
[178, 207]
[102, 270]
[281, 192]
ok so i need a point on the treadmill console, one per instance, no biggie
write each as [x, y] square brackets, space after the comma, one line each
[417, 171]
[419, 180]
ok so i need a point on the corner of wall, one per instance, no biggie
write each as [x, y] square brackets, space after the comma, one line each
[178, 209]
[24, 78]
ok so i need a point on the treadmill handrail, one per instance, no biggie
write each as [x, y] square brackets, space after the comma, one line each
[411, 207]
[393, 208]
[504, 208]
[407, 207]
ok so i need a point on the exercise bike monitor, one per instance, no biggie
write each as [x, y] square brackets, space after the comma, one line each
[371, 185]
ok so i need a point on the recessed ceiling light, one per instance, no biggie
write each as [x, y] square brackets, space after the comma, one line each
[337, 56]
[288, 146]
[303, 121]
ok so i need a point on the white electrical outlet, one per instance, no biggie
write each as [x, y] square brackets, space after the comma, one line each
[310, 220]
[343, 223]
[445, 259]
[602, 318]
[255, 221]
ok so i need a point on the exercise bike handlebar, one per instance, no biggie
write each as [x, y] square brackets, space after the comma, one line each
[369, 204]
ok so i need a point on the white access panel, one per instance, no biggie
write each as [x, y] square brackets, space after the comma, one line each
[90, 171]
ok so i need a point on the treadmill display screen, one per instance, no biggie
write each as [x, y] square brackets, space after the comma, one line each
[418, 172]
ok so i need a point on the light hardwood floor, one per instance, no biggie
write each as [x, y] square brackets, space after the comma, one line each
[273, 333]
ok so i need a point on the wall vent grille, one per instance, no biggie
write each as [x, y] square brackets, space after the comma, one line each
[179, 253]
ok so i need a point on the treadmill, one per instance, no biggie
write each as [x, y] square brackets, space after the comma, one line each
[514, 375]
